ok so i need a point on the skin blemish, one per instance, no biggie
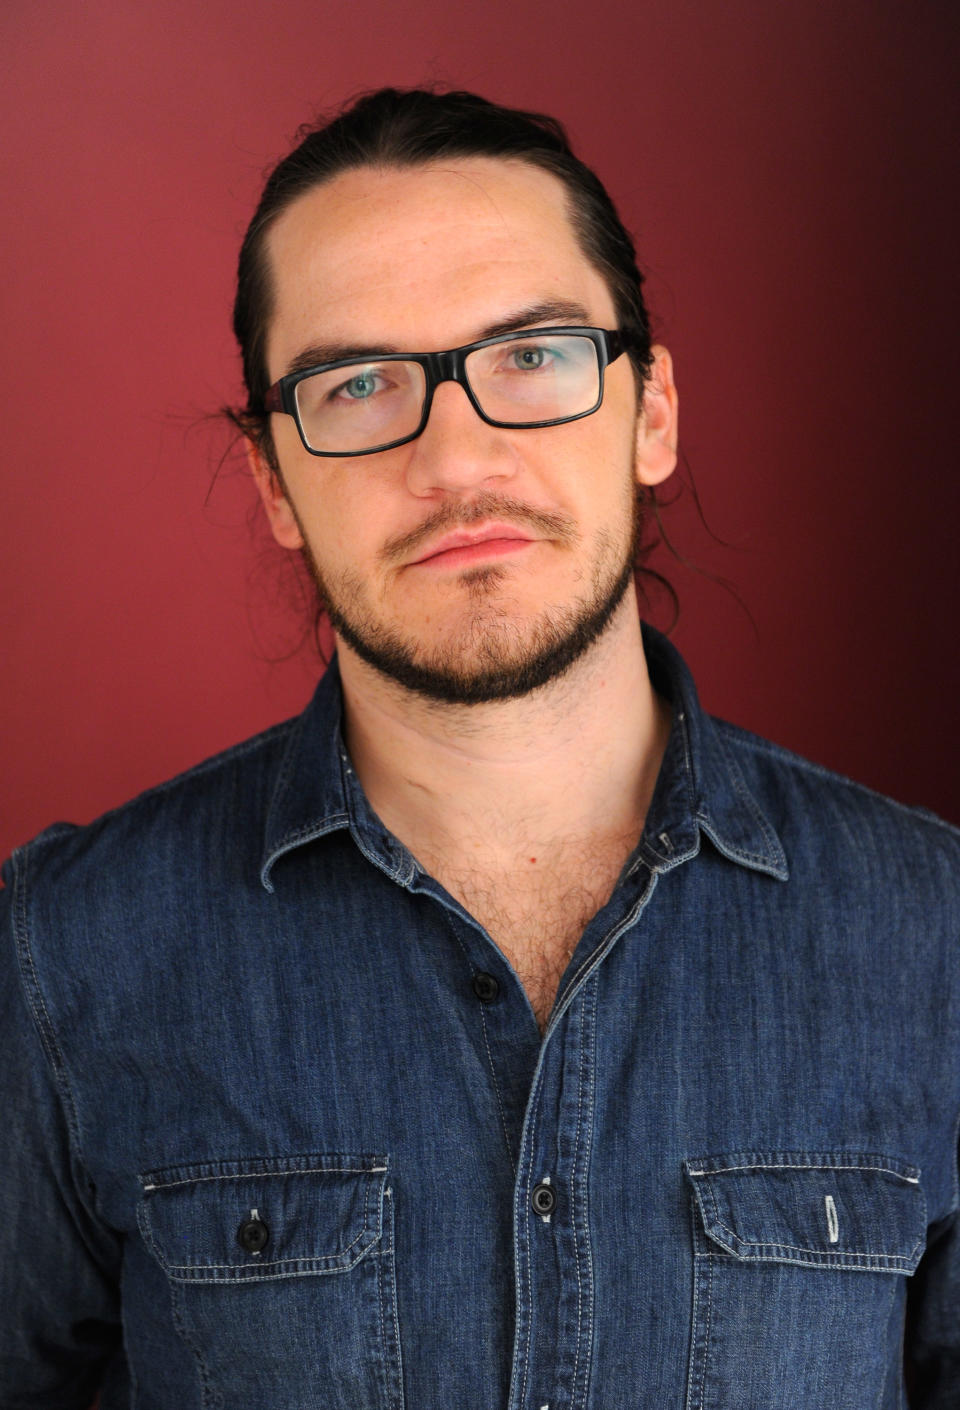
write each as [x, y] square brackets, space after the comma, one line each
[533, 859]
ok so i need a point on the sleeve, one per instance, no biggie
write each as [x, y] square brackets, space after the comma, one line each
[59, 1263]
[932, 1342]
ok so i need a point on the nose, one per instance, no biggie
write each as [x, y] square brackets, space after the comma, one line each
[457, 451]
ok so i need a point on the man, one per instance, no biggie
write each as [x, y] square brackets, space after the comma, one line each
[504, 1032]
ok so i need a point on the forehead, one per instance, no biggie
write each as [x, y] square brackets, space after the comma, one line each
[423, 257]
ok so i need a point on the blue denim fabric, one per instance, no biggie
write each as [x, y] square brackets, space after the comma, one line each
[270, 1145]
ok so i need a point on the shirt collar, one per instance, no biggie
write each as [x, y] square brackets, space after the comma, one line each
[700, 788]
[317, 791]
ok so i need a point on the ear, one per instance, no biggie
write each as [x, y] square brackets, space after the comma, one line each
[283, 521]
[657, 425]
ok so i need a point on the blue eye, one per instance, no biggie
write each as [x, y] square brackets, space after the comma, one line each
[361, 386]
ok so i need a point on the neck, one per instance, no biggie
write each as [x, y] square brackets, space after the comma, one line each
[575, 760]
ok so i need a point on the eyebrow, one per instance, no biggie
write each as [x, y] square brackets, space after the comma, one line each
[558, 311]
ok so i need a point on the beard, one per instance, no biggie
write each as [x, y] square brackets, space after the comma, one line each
[493, 654]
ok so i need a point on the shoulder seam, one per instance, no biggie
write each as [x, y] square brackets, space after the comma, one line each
[36, 1006]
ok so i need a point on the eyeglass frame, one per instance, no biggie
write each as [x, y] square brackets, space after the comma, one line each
[450, 366]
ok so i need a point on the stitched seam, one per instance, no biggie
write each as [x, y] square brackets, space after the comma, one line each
[724, 1169]
[730, 849]
[294, 840]
[314, 829]
[403, 866]
[825, 1255]
[573, 1222]
[703, 1269]
[265, 1278]
[599, 955]
[268, 1174]
[739, 783]
[526, 1208]
[383, 1331]
[699, 1379]
[659, 862]
[591, 1078]
[393, 1295]
[690, 1399]
[711, 1264]
[39, 1013]
[398, 872]
[692, 1367]
[274, 1262]
[46, 1031]
[715, 1212]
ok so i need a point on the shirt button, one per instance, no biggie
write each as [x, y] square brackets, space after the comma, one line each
[543, 1199]
[485, 987]
[253, 1235]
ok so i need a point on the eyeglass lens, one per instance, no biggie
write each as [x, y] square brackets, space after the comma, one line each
[357, 408]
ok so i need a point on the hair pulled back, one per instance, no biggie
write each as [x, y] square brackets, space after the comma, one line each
[406, 128]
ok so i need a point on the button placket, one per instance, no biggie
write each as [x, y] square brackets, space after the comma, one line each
[554, 1271]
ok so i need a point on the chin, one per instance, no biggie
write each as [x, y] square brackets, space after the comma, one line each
[496, 659]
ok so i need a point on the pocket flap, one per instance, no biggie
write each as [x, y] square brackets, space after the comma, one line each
[835, 1210]
[228, 1221]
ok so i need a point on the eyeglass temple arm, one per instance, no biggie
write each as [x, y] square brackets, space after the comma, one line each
[273, 398]
[619, 342]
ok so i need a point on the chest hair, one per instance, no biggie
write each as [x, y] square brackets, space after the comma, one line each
[535, 911]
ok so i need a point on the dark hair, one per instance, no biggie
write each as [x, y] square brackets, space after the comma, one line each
[402, 128]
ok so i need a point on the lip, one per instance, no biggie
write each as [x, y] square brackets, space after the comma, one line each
[468, 545]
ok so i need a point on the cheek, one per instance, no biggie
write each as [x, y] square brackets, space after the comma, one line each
[600, 471]
[343, 528]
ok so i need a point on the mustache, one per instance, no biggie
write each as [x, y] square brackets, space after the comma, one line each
[488, 505]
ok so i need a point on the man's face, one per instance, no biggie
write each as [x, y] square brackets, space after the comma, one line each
[475, 562]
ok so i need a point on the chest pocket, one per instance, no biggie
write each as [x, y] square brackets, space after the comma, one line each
[282, 1279]
[800, 1263]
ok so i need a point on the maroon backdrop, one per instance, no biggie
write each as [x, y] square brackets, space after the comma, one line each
[787, 170]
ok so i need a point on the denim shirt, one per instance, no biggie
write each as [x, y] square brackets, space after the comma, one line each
[283, 1134]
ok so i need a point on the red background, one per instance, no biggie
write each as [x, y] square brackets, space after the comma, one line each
[787, 169]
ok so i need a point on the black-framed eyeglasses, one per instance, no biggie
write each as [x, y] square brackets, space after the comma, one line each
[534, 378]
